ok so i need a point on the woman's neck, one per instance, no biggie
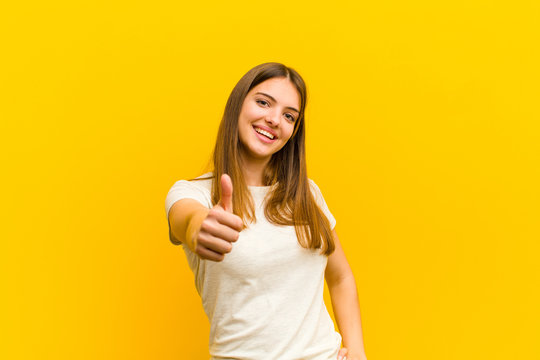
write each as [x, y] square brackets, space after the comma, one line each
[253, 171]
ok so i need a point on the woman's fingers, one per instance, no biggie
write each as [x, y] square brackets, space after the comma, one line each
[208, 254]
[342, 354]
[218, 230]
[214, 243]
[226, 218]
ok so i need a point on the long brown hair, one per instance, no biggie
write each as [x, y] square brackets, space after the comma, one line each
[291, 201]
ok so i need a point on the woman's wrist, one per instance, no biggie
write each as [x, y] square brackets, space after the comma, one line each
[356, 354]
[194, 226]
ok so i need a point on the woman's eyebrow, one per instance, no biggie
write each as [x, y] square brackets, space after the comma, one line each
[274, 100]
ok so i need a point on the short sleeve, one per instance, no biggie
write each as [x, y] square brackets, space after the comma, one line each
[183, 189]
[322, 204]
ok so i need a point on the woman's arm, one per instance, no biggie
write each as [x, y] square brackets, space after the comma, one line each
[344, 296]
[185, 216]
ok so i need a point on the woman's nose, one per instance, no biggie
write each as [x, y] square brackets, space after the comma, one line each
[272, 118]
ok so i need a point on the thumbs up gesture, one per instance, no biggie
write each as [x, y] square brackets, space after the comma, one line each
[220, 228]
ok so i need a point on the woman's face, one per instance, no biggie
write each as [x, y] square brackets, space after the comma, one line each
[272, 108]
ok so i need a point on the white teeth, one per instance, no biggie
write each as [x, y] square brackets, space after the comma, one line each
[265, 133]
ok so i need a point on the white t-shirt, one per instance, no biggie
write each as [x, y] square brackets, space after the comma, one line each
[265, 299]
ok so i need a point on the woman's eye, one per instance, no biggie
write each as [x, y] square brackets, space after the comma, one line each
[264, 103]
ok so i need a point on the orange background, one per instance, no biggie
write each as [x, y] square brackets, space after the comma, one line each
[422, 133]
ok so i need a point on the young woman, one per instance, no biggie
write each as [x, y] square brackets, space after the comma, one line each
[260, 254]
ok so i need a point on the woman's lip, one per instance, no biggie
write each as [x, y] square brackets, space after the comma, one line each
[262, 137]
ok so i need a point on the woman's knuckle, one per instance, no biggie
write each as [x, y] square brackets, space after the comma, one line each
[201, 238]
[207, 226]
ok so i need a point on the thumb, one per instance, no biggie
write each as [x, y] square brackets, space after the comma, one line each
[226, 193]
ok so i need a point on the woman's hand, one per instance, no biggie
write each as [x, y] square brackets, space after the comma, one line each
[344, 354]
[213, 231]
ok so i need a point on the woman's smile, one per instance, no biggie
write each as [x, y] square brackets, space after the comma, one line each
[263, 135]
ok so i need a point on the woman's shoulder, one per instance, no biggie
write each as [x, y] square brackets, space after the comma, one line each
[203, 181]
[198, 188]
[316, 191]
[200, 184]
[314, 186]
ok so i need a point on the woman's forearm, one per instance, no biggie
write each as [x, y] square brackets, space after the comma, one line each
[344, 296]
